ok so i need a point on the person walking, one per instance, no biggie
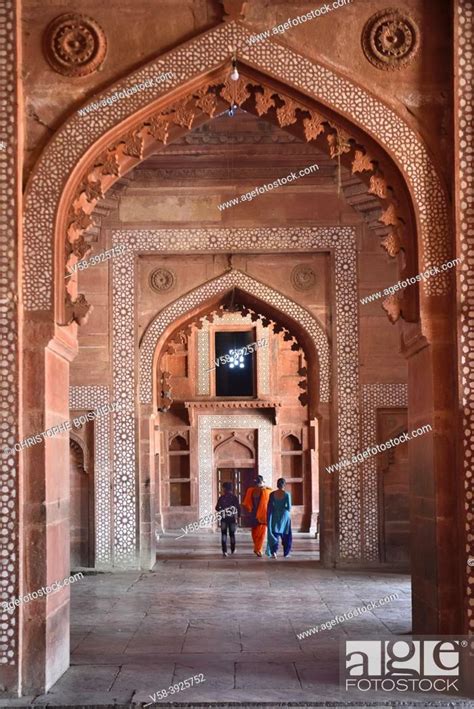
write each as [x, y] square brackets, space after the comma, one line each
[228, 503]
[256, 501]
[279, 520]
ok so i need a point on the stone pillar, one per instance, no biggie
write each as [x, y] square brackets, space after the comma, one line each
[435, 540]
[44, 503]
[147, 488]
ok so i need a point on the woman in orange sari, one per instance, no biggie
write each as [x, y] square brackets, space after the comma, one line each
[256, 502]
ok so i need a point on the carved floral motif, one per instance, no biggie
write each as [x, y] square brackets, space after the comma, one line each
[303, 277]
[390, 216]
[184, 114]
[286, 114]
[207, 103]
[392, 244]
[264, 101]
[162, 279]
[313, 126]
[159, 128]
[77, 311]
[390, 39]
[378, 186]
[362, 162]
[235, 92]
[75, 45]
[134, 144]
[338, 143]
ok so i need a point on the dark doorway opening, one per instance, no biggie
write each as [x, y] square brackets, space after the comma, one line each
[241, 479]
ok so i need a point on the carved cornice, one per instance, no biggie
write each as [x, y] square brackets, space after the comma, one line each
[215, 405]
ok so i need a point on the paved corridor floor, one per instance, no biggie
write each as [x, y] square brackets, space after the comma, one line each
[234, 620]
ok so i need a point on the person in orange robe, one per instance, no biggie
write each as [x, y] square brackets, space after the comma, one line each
[256, 502]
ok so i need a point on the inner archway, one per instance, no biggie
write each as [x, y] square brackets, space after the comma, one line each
[279, 328]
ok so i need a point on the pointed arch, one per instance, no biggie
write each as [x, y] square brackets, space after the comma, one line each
[55, 181]
[215, 287]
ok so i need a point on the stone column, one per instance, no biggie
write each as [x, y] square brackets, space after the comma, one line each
[44, 502]
[435, 539]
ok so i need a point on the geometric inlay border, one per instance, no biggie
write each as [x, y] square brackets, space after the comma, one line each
[9, 243]
[205, 452]
[374, 396]
[91, 397]
[463, 60]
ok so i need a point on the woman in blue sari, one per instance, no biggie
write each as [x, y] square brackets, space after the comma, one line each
[279, 520]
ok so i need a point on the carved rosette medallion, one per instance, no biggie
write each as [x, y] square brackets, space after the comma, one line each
[303, 277]
[161, 280]
[390, 39]
[75, 45]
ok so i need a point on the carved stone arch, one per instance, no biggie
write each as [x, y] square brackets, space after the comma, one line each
[173, 439]
[55, 185]
[234, 437]
[158, 329]
[77, 443]
[287, 438]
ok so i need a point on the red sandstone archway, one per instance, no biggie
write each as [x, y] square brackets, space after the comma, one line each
[56, 187]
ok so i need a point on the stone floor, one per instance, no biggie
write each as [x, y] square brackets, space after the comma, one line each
[234, 620]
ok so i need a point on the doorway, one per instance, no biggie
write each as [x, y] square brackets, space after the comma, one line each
[241, 479]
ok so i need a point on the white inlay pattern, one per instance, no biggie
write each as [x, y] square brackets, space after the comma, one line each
[206, 465]
[91, 397]
[9, 242]
[203, 363]
[465, 147]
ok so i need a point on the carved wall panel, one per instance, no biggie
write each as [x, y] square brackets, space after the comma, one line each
[373, 397]
[129, 149]
[91, 397]
[75, 45]
[390, 39]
